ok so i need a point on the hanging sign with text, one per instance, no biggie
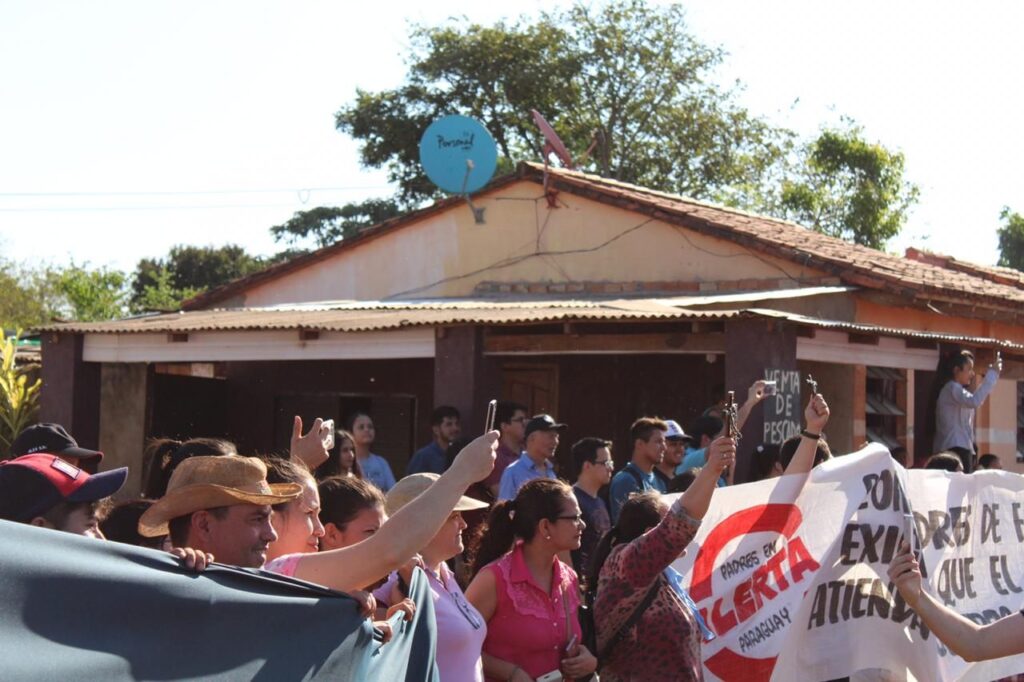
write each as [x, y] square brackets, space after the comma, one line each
[782, 411]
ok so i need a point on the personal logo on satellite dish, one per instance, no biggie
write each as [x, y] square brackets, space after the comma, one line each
[459, 156]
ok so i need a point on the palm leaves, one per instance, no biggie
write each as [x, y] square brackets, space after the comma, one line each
[18, 397]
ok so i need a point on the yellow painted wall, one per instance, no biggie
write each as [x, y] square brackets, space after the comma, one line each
[447, 254]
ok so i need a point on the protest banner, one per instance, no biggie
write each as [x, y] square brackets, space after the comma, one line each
[75, 608]
[791, 573]
[782, 410]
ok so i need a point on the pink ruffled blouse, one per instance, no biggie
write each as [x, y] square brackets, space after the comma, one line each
[530, 627]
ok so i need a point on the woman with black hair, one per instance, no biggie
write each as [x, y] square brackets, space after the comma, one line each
[341, 461]
[165, 454]
[953, 404]
[646, 629]
[527, 595]
[647, 626]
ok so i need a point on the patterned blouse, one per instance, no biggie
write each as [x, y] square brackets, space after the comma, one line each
[531, 627]
[665, 643]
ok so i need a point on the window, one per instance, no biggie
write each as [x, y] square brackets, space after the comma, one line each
[885, 403]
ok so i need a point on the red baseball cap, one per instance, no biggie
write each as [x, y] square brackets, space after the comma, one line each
[34, 484]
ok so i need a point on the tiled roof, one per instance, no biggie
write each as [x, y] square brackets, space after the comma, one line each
[992, 273]
[852, 264]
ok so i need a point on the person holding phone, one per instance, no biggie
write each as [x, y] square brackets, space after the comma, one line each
[954, 403]
[965, 638]
[529, 598]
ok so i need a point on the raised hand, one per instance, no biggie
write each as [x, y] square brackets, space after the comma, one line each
[905, 573]
[721, 454]
[476, 460]
[817, 413]
[755, 393]
[308, 449]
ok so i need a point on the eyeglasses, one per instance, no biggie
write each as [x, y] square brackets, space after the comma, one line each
[605, 462]
[577, 519]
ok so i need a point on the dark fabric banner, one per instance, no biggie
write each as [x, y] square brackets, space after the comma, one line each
[75, 608]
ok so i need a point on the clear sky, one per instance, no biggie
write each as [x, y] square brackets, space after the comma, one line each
[226, 110]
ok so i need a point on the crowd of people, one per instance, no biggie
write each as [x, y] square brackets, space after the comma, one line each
[531, 577]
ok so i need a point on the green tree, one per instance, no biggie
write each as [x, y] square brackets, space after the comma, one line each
[1011, 239]
[848, 187]
[328, 224]
[162, 284]
[88, 295]
[626, 77]
[21, 305]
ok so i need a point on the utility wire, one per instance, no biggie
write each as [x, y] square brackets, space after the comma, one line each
[299, 190]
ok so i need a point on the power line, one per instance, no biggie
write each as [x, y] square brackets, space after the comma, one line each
[300, 190]
[71, 209]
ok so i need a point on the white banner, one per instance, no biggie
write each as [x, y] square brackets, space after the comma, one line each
[790, 573]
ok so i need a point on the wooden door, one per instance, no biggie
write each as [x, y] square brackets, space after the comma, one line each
[533, 385]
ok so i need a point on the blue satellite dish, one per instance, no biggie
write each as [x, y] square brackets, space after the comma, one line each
[458, 154]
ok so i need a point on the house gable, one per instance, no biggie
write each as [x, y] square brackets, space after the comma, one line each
[601, 237]
[582, 245]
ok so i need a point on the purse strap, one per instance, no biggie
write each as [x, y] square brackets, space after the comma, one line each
[565, 605]
[632, 620]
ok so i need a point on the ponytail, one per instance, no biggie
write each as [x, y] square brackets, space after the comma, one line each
[157, 457]
[539, 499]
[164, 456]
[497, 537]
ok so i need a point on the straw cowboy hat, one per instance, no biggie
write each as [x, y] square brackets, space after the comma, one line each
[414, 485]
[208, 482]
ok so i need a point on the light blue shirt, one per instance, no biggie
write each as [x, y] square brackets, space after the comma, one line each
[377, 471]
[696, 458]
[675, 581]
[518, 473]
[954, 413]
[625, 483]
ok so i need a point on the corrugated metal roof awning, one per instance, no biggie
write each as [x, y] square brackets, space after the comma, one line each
[361, 316]
[381, 316]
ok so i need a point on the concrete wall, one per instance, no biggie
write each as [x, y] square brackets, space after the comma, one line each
[70, 394]
[996, 425]
[523, 240]
[123, 405]
[836, 383]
